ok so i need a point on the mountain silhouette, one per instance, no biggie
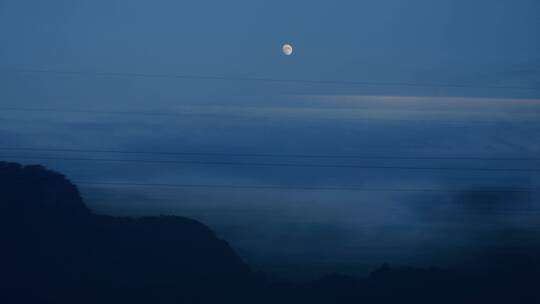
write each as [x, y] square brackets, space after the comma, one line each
[54, 249]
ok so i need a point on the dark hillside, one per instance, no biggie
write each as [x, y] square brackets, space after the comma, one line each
[54, 249]
[54, 246]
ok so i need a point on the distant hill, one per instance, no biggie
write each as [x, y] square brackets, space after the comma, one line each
[55, 250]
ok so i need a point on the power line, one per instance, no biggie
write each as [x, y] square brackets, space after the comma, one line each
[257, 164]
[177, 114]
[273, 155]
[166, 185]
[274, 80]
[85, 111]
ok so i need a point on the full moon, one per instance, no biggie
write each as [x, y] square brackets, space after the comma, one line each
[287, 49]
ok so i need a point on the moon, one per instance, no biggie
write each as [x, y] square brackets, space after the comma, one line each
[287, 49]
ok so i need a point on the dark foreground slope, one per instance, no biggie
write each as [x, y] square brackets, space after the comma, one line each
[55, 250]
[54, 247]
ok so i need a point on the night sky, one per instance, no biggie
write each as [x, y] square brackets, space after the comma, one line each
[450, 103]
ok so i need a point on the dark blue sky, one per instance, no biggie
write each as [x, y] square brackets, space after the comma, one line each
[472, 43]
